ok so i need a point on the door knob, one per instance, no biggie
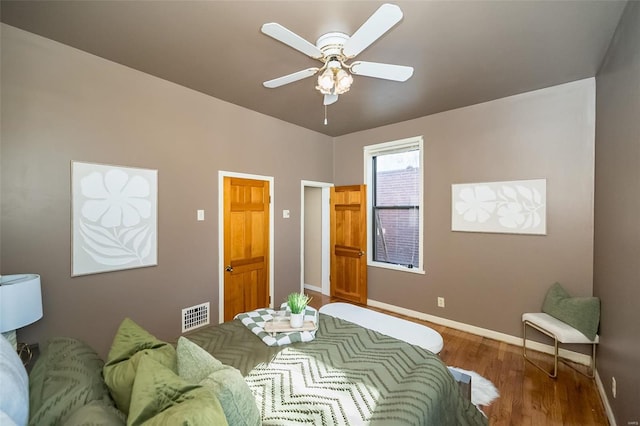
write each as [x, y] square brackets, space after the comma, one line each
[360, 253]
[229, 268]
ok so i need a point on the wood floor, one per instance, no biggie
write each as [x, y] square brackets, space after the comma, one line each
[527, 395]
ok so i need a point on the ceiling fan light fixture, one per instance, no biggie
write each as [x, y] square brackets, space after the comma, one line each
[334, 49]
[343, 81]
[326, 82]
[334, 81]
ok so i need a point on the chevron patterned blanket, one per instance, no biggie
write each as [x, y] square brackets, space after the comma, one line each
[348, 375]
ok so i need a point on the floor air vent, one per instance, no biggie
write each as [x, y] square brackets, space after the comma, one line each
[195, 316]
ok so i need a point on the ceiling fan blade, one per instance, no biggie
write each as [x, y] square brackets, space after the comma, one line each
[379, 23]
[378, 70]
[290, 78]
[330, 99]
[291, 39]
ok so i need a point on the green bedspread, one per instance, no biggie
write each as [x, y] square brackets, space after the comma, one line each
[348, 375]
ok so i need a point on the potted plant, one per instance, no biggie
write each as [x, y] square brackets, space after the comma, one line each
[297, 303]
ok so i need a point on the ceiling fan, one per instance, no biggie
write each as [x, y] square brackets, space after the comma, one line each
[335, 49]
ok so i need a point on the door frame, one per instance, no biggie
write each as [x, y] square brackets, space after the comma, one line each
[325, 250]
[221, 175]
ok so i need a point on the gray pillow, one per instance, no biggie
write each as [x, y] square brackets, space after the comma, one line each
[14, 391]
[235, 396]
[198, 366]
[581, 313]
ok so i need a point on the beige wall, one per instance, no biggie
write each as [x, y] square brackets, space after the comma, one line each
[617, 229]
[489, 280]
[60, 104]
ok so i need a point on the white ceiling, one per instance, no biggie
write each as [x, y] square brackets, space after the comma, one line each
[463, 52]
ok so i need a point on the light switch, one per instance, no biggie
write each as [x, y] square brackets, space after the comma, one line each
[200, 215]
[285, 214]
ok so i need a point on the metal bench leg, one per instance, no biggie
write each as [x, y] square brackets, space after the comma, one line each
[554, 374]
[591, 369]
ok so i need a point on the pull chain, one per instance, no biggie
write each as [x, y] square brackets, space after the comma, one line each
[325, 115]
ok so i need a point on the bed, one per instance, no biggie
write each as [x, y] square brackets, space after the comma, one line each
[347, 375]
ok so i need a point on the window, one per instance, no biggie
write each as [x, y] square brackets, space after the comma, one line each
[394, 176]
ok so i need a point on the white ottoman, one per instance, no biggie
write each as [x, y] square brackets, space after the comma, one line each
[410, 332]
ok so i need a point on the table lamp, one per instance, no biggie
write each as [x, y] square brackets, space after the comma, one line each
[20, 303]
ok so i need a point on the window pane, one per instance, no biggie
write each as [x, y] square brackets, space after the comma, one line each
[396, 236]
[397, 179]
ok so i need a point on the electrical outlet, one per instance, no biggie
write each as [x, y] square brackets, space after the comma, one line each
[613, 386]
[440, 302]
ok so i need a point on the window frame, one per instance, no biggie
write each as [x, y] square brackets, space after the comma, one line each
[370, 151]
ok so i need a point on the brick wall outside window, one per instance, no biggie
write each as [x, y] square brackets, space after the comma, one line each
[396, 230]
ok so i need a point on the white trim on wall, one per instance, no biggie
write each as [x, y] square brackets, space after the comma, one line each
[502, 337]
[221, 175]
[325, 186]
[605, 400]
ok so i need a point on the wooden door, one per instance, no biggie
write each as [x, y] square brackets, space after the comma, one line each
[349, 243]
[246, 245]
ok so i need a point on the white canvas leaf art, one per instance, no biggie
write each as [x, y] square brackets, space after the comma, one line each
[114, 218]
[517, 207]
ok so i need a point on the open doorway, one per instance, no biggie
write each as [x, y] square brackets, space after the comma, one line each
[314, 235]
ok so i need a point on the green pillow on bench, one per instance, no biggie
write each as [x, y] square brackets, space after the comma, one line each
[582, 313]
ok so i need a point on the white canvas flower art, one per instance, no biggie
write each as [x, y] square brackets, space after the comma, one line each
[114, 218]
[476, 203]
[506, 207]
[115, 198]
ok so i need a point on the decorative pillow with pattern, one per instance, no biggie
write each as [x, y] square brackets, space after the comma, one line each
[66, 377]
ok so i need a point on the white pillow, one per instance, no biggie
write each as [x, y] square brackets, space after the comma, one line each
[14, 392]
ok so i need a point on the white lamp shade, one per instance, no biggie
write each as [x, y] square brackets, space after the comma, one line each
[20, 301]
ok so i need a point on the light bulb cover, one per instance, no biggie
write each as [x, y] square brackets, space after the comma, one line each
[343, 81]
[334, 80]
[326, 82]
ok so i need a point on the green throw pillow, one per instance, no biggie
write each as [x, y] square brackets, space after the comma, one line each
[198, 366]
[194, 363]
[160, 397]
[66, 376]
[582, 313]
[96, 413]
[129, 345]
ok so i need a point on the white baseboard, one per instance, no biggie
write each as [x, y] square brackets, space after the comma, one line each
[313, 288]
[502, 337]
[605, 400]
[507, 338]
